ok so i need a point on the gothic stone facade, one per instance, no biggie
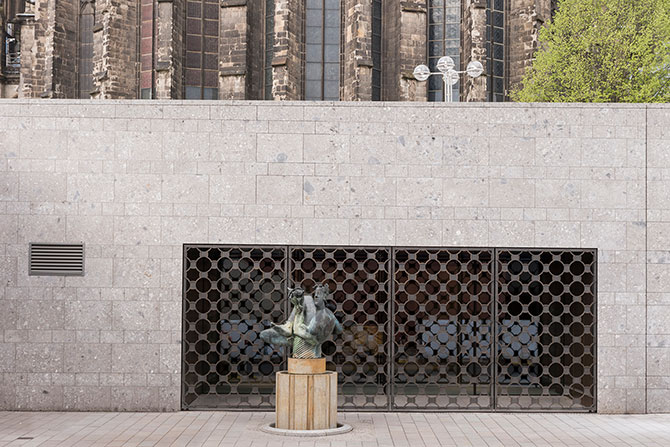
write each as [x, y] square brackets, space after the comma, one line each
[352, 50]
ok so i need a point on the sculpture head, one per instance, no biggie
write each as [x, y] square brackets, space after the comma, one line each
[296, 296]
[320, 295]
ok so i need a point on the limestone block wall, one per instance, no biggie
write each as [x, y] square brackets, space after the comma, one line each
[135, 180]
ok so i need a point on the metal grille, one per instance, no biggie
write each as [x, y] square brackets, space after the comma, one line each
[442, 351]
[359, 281]
[442, 337]
[230, 295]
[56, 260]
[546, 321]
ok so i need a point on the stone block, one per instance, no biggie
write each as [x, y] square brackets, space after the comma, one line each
[279, 190]
[135, 315]
[137, 230]
[9, 186]
[141, 273]
[39, 357]
[466, 151]
[422, 150]
[134, 398]
[49, 229]
[326, 148]
[420, 192]
[88, 315]
[465, 233]
[232, 147]
[137, 188]
[465, 192]
[90, 188]
[229, 230]
[325, 231]
[558, 152]
[185, 189]
[511, 233]
[39, 398]
[232, 189]
[180, 230]
[512, 193]
[278, 231]
[50, 144]
[139, 145]
[42, 187]
[372, 232]
[97, 230]
[418, 232]
[512, 151]
[557, 193]
[40, 315]
[325, 190]
[86, 398]
[604, 235]
[279, 148]
[372, 150]
[88, 358]
[135, 358]
[90, 145]
[186, 146]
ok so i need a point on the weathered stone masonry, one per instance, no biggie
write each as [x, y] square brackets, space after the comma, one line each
[49, 48]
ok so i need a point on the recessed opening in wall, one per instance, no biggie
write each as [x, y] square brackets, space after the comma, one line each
[424, 328]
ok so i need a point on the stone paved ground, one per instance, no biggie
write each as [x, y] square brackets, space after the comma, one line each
[378, 429]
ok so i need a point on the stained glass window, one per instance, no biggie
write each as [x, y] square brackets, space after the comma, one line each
[322, 47]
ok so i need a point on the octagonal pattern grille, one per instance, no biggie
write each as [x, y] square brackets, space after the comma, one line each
[359, 281]
[424, 329]
[442, 337]
[546, 348]
[230, 295]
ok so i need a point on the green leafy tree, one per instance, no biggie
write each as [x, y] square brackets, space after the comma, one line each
[602, 51]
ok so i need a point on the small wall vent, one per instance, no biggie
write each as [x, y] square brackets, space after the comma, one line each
[56, 260]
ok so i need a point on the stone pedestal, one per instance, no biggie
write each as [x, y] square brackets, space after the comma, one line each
[306, 396]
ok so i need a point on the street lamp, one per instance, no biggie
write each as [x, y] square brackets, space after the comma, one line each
[449, 75]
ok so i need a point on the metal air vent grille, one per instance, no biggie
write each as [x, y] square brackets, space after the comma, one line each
[56, 260]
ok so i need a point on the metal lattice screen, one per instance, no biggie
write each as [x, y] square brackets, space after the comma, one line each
[424, 329]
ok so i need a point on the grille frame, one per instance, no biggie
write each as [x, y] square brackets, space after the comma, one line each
[494, 407]
[66, 249]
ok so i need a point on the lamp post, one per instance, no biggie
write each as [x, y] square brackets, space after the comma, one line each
[445, 65]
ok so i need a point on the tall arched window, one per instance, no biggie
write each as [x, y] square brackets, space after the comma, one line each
[376, 50]
[322, 50]
[495, 20]
[85, 65]
[444, 39]
[202, 49]
[269, 47]
[147, 51]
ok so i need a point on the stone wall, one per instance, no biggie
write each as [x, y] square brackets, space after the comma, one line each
[135, 180]
[526, 17]
[115, 59]
[357, 63]
[233, 42]
[287, 65]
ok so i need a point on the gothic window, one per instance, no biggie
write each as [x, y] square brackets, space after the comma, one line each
[444, 39]
[147, 26]
[376, 50]
[202, 47]
[322, 47]
[495, 19]
[86, 21]
[269, 47]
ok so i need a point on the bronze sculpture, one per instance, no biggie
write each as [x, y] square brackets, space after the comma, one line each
[309, 324]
